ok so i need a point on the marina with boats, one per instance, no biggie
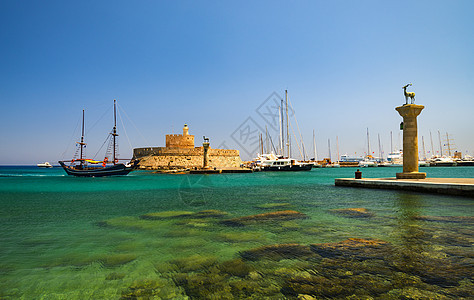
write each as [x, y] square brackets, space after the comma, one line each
[271, 157]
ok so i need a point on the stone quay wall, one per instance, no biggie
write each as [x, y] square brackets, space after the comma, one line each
[163, 158]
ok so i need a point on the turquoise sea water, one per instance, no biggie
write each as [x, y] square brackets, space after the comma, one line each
[87, 238]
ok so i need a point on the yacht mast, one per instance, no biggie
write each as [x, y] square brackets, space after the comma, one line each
[337, 146]
[432, 148]
[280, 116]
[423, 144]
[266, 139]
[380, 148]
[314, 147]
[329, 148]
[391, 143]
[447, 143]
[440, 147]
[368, 142]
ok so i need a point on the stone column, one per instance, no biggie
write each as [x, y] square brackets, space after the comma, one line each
[205, 147]
[409, 112]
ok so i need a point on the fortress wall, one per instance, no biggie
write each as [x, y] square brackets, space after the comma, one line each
[179, 158]
[164, 151]
[180, 153]
[188, 161]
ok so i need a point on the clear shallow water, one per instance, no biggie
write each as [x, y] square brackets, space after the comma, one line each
[73, 238]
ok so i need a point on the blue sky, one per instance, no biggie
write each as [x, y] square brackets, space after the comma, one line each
[211, 64]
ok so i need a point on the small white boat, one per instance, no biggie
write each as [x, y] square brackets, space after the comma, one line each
[366, 163]
[423, 163]
[44, 165]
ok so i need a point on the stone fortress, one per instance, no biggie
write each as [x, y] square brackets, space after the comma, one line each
[180, 153]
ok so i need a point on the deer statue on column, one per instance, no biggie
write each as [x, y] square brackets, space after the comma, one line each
[410, 95]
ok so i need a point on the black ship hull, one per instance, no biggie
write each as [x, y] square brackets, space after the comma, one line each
[118, 169]
[292, 168]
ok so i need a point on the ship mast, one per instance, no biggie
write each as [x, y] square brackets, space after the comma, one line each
[114, 132]
[287, 125]
[81, 143]
[82, 140]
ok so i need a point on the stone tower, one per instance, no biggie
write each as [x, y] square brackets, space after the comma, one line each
[180, 141]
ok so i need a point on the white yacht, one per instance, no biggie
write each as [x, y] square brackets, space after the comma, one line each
[366, 163]
[44, 165]
[272, 162]
[444, 161]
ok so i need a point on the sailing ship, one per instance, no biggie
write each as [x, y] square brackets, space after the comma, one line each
[83, 167]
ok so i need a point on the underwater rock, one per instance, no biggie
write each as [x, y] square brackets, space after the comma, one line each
[162, 215]
[277, 252]
[289, 226]
[130, 223]
[444, 273]
[166, 215]
[414, 293]
[83, 259]
[353, 212]
[272, 205]
[235, 267]
[240, 237]
[210, 213]
[210, 285]
[115, 276]
[283, 215]
[305, 297]
[355, 248]
[144, 289]
[115, 260]
[194, 223]
[232, 279]
[316, 285]
[193, 263]
[243, 289]
[446, 219]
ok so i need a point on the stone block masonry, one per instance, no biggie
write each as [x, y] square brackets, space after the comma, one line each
[163, 158]
[180, 153]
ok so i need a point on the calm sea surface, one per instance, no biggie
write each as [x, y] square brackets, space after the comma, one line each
[161, 236]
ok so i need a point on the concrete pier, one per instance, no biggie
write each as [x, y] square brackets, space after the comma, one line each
[448, 186]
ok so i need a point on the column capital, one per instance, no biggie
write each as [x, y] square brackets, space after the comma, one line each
[409, 110]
